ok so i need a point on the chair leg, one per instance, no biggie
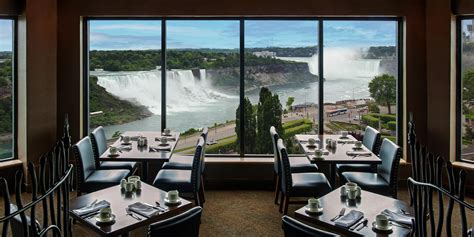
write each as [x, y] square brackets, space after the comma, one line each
[203, 199]
[287, 202]
[281, 202]
[196, 200]
[277, 188]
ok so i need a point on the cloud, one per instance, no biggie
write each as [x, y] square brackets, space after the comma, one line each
[101, 41]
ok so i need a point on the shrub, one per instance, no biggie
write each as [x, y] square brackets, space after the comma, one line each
[373, 107]
[370, 120]
[290, 132]
[392, 125]
[385, 118]
[222, 146]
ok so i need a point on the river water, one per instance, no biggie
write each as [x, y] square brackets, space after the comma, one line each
[194, 103]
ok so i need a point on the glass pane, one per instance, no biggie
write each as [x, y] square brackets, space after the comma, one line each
[6, 89]
[125, 75]
[467, 89]
[203, 82]
[360, 72]
[281, 82]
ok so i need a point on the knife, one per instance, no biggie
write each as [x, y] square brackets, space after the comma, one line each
[358, 224]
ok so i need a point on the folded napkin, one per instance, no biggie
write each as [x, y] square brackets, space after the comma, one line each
[125, 147]
[359, 153]
[346, 141]
[91, 208]
[305, 139]
[325, 152]
[349, 219]
[169, 138]
[144, 209]
[160, 148]
[398, 217]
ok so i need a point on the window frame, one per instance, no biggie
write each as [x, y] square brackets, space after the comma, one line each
[318, 20]
[14, 20]
[459, 83]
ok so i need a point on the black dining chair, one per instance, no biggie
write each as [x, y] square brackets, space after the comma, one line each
[294, 228]
[311, 184]
[90, 179]
[99, 146]
[385, 180]
[184, 162]
[185, 181]
[372, 141]
[298, 164]
[185, 224]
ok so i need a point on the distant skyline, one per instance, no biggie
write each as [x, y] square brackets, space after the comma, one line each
[6, 35]
[224, 34]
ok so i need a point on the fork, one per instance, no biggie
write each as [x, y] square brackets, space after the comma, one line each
[341, 213]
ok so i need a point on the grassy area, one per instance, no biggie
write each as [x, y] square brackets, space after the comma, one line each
[342, 126]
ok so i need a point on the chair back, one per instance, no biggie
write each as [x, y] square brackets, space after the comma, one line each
[85, 162]
[196, 168]
[295, 228]
[390, 154]
[422, 195]
[372, 139]
[99, 144]
[286, 180]
[185, 224]
[204, 133]
[49, 190]
[276, 156]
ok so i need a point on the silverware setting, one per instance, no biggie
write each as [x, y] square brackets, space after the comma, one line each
[130, 213]
[341, 213]
[364, 225]
[358, 224]
[159, 206]
[400, 225]
[89, 215]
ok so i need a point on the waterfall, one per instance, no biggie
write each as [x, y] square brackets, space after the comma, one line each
[341, 63]
[184, 91]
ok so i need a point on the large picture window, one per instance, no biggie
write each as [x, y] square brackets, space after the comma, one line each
[239, 76]
[7, 89]
[466, 89]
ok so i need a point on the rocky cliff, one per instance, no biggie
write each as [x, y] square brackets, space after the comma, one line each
[258, 76]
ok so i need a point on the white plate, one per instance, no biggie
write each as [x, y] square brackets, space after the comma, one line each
[177, 201]
[357, 148]
[308, 210]
[376, 227]
[102, 221]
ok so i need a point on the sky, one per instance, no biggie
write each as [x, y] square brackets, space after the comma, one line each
[6, 35]
[224, 34]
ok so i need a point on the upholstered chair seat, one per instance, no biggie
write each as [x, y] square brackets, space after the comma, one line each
[185, 181]
[90, 179]
[184, 224]
[294, 228]
[385, 180]
[99, 145]
[372, 142]
[299, 184]
[298, 164]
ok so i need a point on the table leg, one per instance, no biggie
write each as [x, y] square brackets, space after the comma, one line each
[145, 171]
[332, 168]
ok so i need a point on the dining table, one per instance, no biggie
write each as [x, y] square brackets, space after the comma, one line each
[143, 154]
[370, 204]
[119, 200]
[340, 154]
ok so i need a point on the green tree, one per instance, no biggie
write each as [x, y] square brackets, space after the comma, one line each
[468, 85]
[249, 127]
[290, 102]
[383, 90]
[269, 111]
